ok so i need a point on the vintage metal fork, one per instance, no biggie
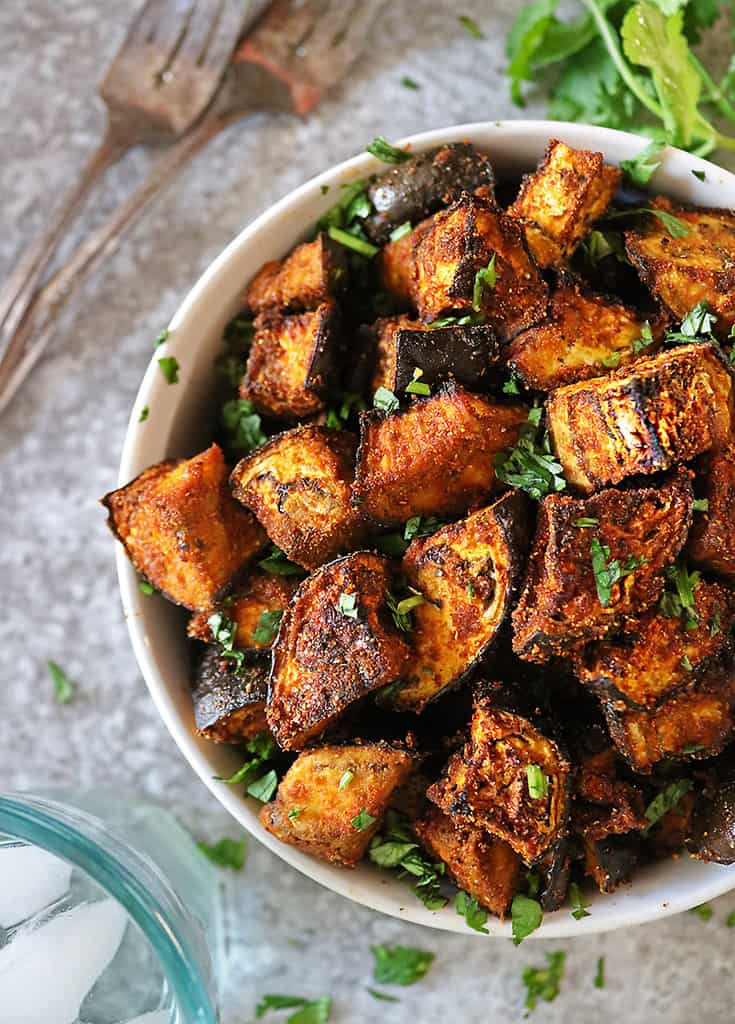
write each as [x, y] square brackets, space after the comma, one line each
[159, 83]
[295, 53]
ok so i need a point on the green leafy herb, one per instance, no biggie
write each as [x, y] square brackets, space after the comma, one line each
[401, 231]
[470, 26]
[526, 915]
[645, 339]
[224, 633]
[242, 426]
[400, 965]
[64, 687]
[609, 572]
[678, 598]
[600, 973]
[169, 366]
[666, 801]
[394, 847]
[409, 83]
[383, 150]
[600, 244]
[162, 338]
[730, 919]
[346, 779]
[704, 912]
[264, 787]
[267, 627]
[416, 386]
[401, 609]
[586, 521]
[350, 241]
[385, 401]
[692, 748]
[347, 605]
[533, 884]
[484, 278]
[278, 1003]
[362, 821]
[579, 904]
[295, 812]
[538, 783]
[700, 505]
[686, 663]
[314, 1011]
[641, 168]
[236, 339]
[383, 996]
[227, 853]
[469, 908]
[353, 205]
[612, 361]
[146, 588]
[144, 414]
[715, 625]
[698, 174]
[392, 544]
[543, 982]
[511, 386]
[530, 465]
[418, 526]
[261, 748]
[277, 564]
[469, 319]
[673, 225]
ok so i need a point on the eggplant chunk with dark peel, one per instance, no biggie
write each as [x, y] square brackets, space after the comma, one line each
[383, 334]
[463, 240]
[647, 417]
[317, 812]
[183, 531]
[337, 643]
[712, 540]
[658, 655]
[259, 593]
[481, 865]
[611, 861]
[637, 532]
[712, 835]
[292, 362]
[299, 485]
[464, 353]
[420, 186]
[314, 273]
[469, 573]
[229, 704]
[511, 779]
[434, 458]
[561, 200]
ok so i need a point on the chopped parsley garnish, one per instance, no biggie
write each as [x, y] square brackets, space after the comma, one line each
[686, 663]
[262, 747]
[64, 687]
[242, 426]
[612, 361]
[700, 505]
[704, 912]
[227, 853]
[401, 231]
[600, 973]
[698, 174]
[295, 812]
[385, 401]
[224, 633]
[264, 787]
[543, 982]
[409, 83]
[526, 915]
[144, 414]
[530, 464]
[699, 320]
[470, 26]
[347, 605]
[484, 278]
[469, 908]
[277, 564]
[579, 904]
[401, 609]
[511, 386]
[609, 572]
[641, 168]
[363, 821]
[418, 526]
[666, 801]
[309, 1011]
[353, 205]
[346, 779]
[416, 386]
[383, 150]
[585, 521]
[730, 919]
[324, 189]
[673, 225]
[350, 241]
[600, 244]
[645, 339]
[169, 366]
[162, 338]
[236, 339]
[267, 627]
[400, 965]
[382, 995]
[538, 782]
[349, 402]
[678, 597]
[395, 847]
[715, 625]
[146, 588]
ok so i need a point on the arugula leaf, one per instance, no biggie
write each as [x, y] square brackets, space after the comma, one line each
[484, 278]
[526, 915]
[666, 801]
[469, 908]
[267, 627]
[641, 168]
[385, 401]
[543, 982]
[227, 853]
[600, 972]
[531, 465]
[169, 366]
[579, 904]
[382, 149]
[400, 965]
[395, 847]
[416, 386]
[362, 821]
[608, 573]
[538, 782]
[277, 564]
[242, 426]
[64, 687]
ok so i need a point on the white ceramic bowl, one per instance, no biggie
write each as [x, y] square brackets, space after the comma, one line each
[177, 426]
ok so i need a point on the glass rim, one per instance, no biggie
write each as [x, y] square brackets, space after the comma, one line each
[34, 825]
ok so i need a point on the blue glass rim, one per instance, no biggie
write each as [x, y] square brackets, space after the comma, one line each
[33, 825]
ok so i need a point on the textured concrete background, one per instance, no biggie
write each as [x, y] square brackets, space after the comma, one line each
[60, 448]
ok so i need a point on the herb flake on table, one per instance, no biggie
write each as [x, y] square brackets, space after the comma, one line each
[400, 965]
[600, 972]
[308, 1011]
[704, 912]
[526, 916]
[470, 26]
[64, 687]
[169, 366]
[543, 982]
[383, 996]
[469, 908]
[607, 571]
[226, 853]
[382, 150]
[409, 83]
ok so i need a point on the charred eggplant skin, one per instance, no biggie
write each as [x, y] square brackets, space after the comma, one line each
[420, 186]
[462, 353]
[713, 827]
[229, 706]
[611, 861]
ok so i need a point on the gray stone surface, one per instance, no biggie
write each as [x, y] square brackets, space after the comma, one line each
[60, 446]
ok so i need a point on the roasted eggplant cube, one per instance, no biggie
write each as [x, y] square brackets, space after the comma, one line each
[611, 861]
[584, 335]
[469, 574]
[644, 418]
[712, 540]
[462, 241]
[384, 335]
[561, 200]
[556, 869]
[713, 826]
[299, 485]
[258, 594]
[434, 458]
[698, 267]
[694, 724]
[420, 186]
[229, 705]
[336, 644]
[491, 781]
[291, 362]
[309, 276]
[397, 266]
[463, 353]
[560, 608]
[658, 655]
[316, 812]
[183, 531]
[481, 865]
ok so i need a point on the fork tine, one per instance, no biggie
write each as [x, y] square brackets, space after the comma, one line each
[173, 24]
[144, 25]
[213, 33]
[330, 52]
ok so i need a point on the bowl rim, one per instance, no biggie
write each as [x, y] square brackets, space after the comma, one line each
[378, 893]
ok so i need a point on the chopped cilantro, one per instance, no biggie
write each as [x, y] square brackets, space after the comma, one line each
[362, 821]
[146, 588]
[401, 609]
[236, 339]
[641, 168]
[385, 401]
[585, 521]
[169, 366]
[224, 633]
[698, 174]
[530, 464]
[692, 748]
[261, 747]
[264, 787]
[645, 339]
[543, 982]
[267, 627]
[700, 505]
[394, 847]
[704, 912]
[416, 386]
[227, 853]
[400, 965]
[686, 663]
[538, 782]
[511, 386]
[382, 995]
[401, 231]
[242, 426]
[350, 241]
[144, 414]
[346, 779]
[579, 904]
[697, 325]
[383, 150]
[409, 83]
[612, 361]
[162, 338]
[484, 278]
[64, 687]
[678, 597]
[347, 605]
[600, 244]
[469, 908]
[277, 564]
[666, 801]
[470, 26]
[295, 812]
[418, 526]
[674, 226]
[715, 625]
[392, 544]
[609, 572]
[526, 915]
[600, 972]
[314, 1011]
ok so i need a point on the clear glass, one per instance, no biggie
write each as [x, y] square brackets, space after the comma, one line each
[164, 967]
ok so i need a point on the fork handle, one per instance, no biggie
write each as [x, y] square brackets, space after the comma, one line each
[31, 339]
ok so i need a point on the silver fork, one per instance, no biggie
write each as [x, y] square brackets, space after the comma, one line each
[294, 54]
[160, 82]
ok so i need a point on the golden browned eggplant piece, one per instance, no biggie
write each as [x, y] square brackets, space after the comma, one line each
[299, 485]
[585, 335]
[309, 276]
[605, 804]
[183, 531]
[434, 458]
[259, 593]
[229, 705]
[644, 418]
[396, 264]
[697, 267]
[560, 201]
[511, 779]
[292, 361]
[485, 867]
[318, 812]
[469, 573]
[657, 655]
[712, 540]
[384, 333]
[337, 643]
[694, 724]
[462, 241]
[561, 607]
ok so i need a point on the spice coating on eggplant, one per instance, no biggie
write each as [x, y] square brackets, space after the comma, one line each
[229, 704]
[259, 593]
[309, 276]
[712, 540]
